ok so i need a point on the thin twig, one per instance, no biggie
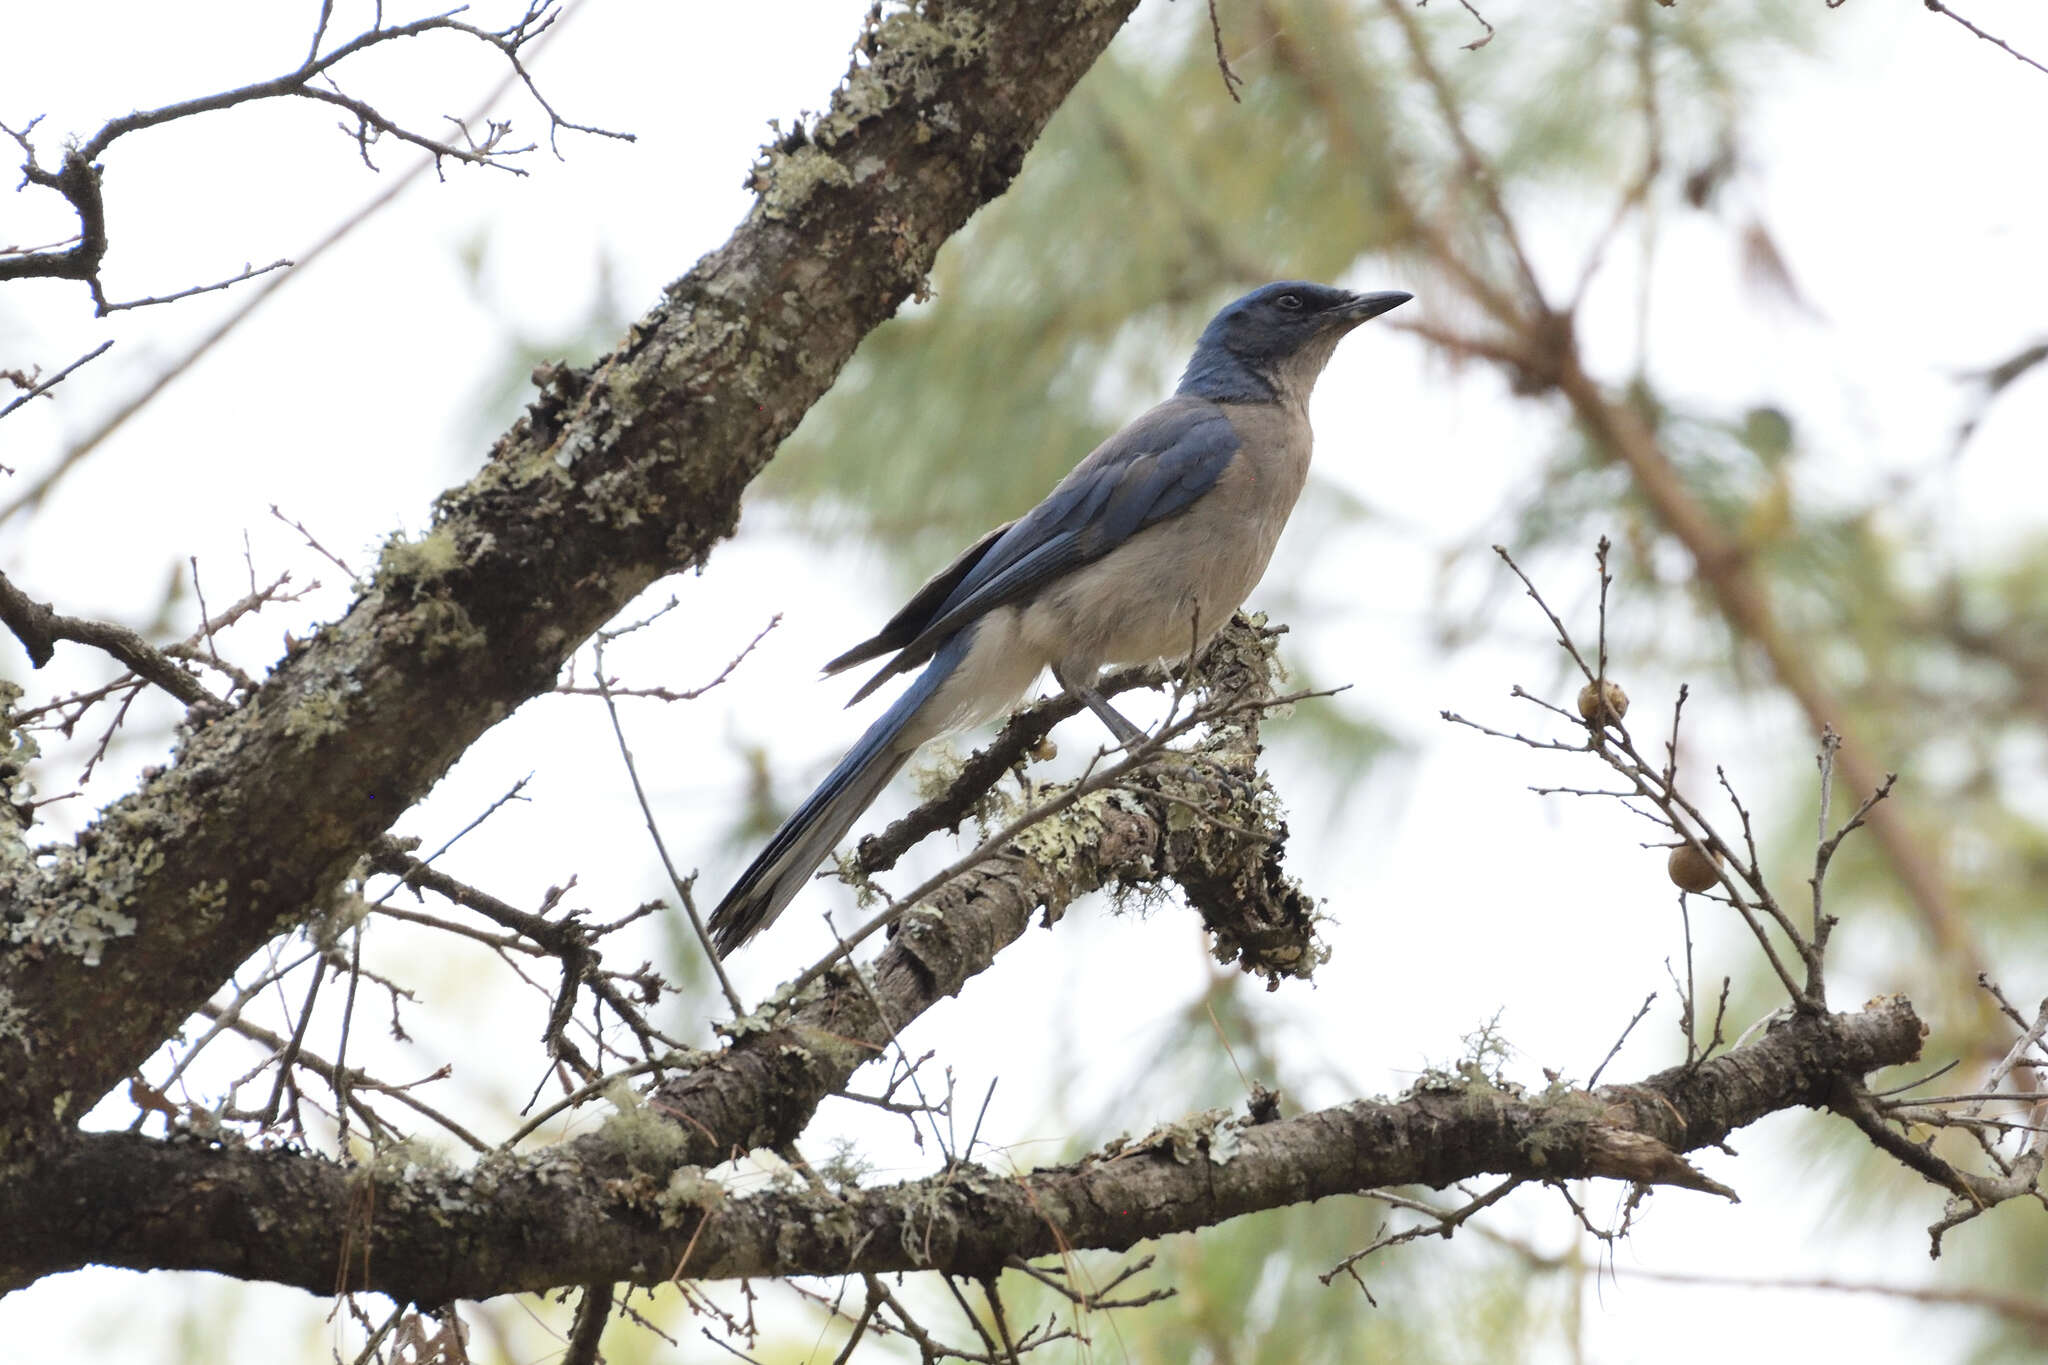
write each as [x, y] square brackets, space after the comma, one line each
[1594, 1079]
[1483, 39]
[33, 495]
[357, 1078]
[1231, 80]
[1444, 1223]
[249, 272]
[1939, 8]
[682, 888]
[39, 386]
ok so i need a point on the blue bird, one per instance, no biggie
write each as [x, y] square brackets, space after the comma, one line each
[1148, 545]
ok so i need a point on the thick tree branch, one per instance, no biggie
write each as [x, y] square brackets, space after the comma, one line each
[616, 476]
[624, 1206]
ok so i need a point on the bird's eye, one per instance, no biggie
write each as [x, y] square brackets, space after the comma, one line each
[1290, 302]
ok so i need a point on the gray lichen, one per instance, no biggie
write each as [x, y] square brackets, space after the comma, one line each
[426, 558]
[14, 1023]
[908, 54]
[83, 922]
[689, 1192]
[316, 717]
[17, 751]
[647, 1140]
[793, 177]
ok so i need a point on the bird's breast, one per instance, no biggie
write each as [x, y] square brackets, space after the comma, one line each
[1177, 581]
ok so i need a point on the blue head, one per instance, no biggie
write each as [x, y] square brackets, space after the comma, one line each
[1273, 342]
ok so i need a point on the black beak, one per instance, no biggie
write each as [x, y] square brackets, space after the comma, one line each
[1364, 306]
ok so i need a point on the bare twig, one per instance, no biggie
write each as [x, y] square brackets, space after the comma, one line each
[1483, 39]
[569, 941]
[336, 560]
[77, 177]
[610, 688]
[860, 1327]
[1627, 1029]
[249, 272]
[37, 386]
[1443, 1222]
[72, 708]
[1231, 80]
[1939, 8]
[33, 495]
[226, 1018]
[1610, 740]
[39, 628]
[682, 886]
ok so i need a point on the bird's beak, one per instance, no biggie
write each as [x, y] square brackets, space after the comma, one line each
[1364, 306]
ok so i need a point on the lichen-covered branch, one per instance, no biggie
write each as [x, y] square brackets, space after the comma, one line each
[617, 475]
[627, 1204]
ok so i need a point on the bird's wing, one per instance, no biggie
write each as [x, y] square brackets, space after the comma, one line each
[1153, 468]
[904, 626]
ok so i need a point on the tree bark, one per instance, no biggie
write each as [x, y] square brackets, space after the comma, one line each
[620, 1207]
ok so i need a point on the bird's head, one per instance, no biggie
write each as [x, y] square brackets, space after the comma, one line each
[1273, 342]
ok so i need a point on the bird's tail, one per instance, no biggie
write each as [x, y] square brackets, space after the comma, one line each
[772, 880]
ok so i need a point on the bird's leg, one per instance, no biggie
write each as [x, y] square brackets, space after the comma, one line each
[1126, 733]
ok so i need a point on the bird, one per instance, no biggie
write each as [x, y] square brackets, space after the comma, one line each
[1141, 553]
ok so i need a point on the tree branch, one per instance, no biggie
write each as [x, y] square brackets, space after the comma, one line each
[36, 386]
[39, 628]
[621, 1206]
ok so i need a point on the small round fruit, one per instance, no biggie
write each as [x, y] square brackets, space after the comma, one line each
[1692, 870]
[1592, 694]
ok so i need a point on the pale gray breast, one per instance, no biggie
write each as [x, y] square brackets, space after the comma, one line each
[1270, 469]
[1150, 597]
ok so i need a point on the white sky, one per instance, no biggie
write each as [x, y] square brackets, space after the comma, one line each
[1901, 173]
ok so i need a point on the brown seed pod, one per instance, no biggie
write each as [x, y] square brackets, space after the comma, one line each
[1044, 751]
[1692, 870]
[1594, 713]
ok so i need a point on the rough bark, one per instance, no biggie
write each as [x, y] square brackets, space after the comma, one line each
[616, 476]
[624, 1207]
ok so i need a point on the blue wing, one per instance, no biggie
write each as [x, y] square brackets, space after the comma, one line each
[904, 626]
[1153, 468]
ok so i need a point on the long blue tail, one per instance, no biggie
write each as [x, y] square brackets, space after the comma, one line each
[772, 880]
